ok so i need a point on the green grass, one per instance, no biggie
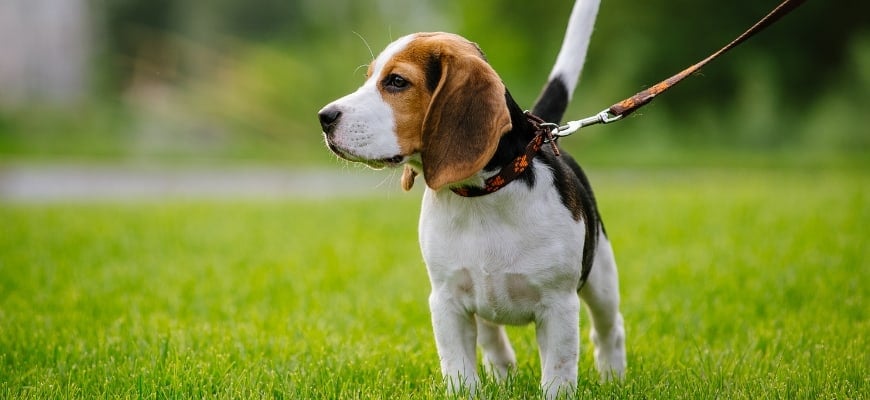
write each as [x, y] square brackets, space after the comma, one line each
[736, 284]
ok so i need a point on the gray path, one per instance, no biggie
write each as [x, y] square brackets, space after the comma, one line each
[29, 183]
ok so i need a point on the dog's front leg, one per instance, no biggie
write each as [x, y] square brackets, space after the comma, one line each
[558, 335]
[455, 336]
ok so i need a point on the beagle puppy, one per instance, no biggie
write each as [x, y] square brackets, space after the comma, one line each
[527, 252]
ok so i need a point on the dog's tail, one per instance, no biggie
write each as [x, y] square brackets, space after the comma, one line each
[553, 101]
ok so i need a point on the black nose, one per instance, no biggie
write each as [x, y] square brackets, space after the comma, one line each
[329, 119]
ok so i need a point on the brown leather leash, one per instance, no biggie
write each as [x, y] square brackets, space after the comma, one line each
[549, 132]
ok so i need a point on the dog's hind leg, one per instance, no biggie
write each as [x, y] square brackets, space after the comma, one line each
[498, 355]
[601, 295]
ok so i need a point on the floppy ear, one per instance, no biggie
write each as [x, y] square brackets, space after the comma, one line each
[467, 116]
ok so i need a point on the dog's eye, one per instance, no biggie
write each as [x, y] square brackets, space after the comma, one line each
[395, 83]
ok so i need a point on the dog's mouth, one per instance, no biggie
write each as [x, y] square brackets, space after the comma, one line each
[379, 163]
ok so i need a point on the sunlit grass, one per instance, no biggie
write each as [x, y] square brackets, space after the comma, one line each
[735, 283]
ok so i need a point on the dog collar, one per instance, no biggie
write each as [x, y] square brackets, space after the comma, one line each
[543, 134]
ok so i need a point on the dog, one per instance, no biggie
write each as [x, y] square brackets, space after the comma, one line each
[518, 252]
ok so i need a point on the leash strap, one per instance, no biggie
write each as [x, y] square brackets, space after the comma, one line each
[549, 132]
[631, 104]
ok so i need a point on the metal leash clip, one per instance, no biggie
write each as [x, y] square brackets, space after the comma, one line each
[570, 127]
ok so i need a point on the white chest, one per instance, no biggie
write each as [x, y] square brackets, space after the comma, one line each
[504, 255]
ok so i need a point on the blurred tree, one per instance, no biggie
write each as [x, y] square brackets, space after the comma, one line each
[655, 37]
[138, 41]
[263, 67]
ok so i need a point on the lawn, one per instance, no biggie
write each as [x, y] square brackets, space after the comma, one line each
[736, 283]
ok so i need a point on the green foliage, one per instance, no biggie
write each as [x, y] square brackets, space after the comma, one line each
[231, 80]
[736, 284]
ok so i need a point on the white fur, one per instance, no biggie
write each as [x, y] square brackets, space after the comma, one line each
[513, 257]
[572, 55]
[367, 129]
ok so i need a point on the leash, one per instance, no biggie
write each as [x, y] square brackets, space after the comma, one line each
[625, 107]
[547, 132]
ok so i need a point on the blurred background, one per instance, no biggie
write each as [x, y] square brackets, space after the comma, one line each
[229, 81]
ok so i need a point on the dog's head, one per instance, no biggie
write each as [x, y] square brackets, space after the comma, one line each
[429, 100]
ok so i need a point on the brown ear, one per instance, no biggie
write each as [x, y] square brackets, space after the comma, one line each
[467, 116]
